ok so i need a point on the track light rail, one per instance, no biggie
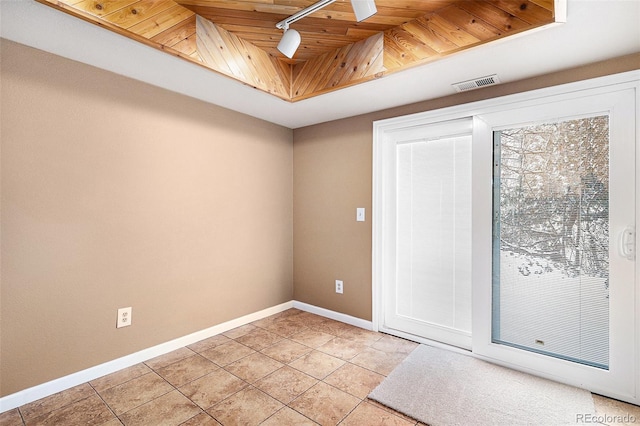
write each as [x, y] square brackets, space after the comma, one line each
[284, 24]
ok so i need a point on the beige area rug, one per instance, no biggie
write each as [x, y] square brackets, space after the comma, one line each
[440, 387]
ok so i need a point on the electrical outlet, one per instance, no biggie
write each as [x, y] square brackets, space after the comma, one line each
[339, 286]
[124, 317]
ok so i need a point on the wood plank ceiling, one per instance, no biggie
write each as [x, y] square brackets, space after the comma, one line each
[238, 38]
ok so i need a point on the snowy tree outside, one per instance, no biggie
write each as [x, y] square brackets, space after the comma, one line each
[551, 239]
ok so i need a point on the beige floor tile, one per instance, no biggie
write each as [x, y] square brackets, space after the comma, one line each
[170, 409]
[325, 404]
[289, 313]
[354, 380]
[287, 416]
[202, 419]
[370, 415]
[105, 382]
[248, 407]
[227, 353]
[239, 331]
[135, 392]
[169, 358]
[335, 328]
[392, 411]
[285, 384]
[286, 327]
[208, 343]
[394, 344]
[317, 364]
[342, 348]
[286, 351]
[360, 335]
[613, 412]
[312, 338]
[264, 322]
[11, 418]
[253, 367]
[259, 339]
[113, 422]
[58, 400]
[311, 320]
[187, 370]
[213, 388]
[88, 411]
[378, 361]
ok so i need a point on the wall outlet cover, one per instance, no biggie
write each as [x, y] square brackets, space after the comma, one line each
[124, 317]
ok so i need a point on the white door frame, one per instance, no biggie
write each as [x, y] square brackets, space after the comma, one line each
[382, 128]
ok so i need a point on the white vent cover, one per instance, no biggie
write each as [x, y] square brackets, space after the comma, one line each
[476, 83]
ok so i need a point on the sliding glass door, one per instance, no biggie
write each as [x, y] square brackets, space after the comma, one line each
[558, 296]
[507, 228]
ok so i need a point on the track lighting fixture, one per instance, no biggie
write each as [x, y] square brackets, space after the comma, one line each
[290, 41]
[363, 9]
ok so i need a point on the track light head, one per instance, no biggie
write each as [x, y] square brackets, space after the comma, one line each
[364, 9]
[289, 42]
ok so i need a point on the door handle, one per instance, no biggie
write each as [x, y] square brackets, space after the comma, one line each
[628, 243]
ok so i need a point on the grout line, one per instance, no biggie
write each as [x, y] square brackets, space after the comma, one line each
[105, 402]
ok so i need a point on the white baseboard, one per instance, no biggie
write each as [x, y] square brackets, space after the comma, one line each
[368, 325]
[40, 391]
[57, 385]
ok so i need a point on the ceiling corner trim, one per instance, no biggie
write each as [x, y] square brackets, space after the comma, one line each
[560, 10]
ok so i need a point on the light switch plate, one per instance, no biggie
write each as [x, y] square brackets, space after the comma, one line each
[360, 214]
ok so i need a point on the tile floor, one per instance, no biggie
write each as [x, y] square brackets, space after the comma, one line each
[292, 368]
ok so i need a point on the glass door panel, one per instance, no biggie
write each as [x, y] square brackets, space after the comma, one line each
[551, 239]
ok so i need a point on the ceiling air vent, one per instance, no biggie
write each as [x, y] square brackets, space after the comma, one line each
[476, 83]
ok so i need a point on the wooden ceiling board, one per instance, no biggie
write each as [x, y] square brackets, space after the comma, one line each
[471, 24]
[188, 47]
[451, 32]
[177, 34]
[494, 16]
[238, 38]
[411, 48]
[100, 8]
[162, 21]
[232, 56]
[547, 4]
[526, 10]
[422, 30]
[346, 66]
[363, 60]
[361, 33]
[304, 73]
[138, 12]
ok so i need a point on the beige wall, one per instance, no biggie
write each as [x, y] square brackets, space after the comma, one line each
[116, 193]
[332, 176]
